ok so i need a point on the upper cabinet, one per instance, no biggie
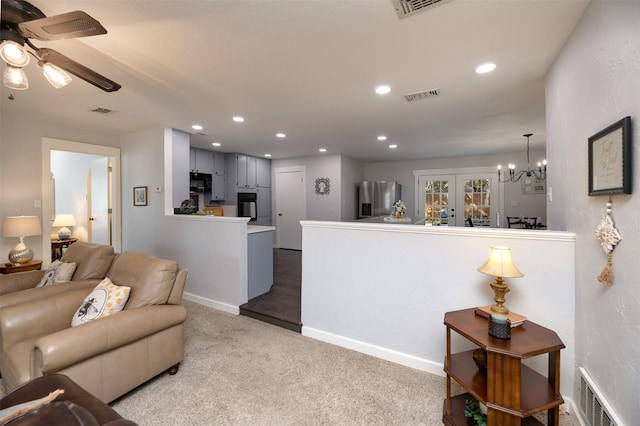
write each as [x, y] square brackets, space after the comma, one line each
[263, 173]
[201, 160]
[245, 171]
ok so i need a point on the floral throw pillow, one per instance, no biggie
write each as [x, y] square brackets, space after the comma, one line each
[57, 272]
[105, 299]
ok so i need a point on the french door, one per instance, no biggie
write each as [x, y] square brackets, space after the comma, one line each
[459, 199]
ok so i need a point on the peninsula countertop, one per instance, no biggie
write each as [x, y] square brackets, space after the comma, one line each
[252, 229]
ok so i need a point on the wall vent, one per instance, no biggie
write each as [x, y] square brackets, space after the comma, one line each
[101, 110]
[594, 408]
[406, 8]
[422, 95]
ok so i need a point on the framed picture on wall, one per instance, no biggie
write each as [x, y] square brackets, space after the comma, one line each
[139, 195]
[610, 159]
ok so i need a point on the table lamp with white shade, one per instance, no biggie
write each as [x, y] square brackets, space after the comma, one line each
[500, 265]
[21, 227]
[64, 220]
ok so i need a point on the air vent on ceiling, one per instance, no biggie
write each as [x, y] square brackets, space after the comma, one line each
[422, 95]
[101, 110]
[406, 8]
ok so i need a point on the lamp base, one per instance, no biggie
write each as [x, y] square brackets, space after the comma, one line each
[20, 254]
[64, 233]
[500, 288]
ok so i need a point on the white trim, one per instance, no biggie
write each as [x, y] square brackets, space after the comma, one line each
[49, 144]
[463, 170]
[376, 351]
[446, 230]
[225, 307]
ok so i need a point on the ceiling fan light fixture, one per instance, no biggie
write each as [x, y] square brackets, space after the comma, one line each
[13, 53]
[15, 78]
[55, 75]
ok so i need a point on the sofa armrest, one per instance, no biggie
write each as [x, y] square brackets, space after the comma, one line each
[56, 351]
[39, 317]
[11, 283]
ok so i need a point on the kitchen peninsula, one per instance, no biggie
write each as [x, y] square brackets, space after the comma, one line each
[228, 260]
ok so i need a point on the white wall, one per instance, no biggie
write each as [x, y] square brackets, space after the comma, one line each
[352, 172]
[384, 289]
[402, 171]
[21, 166]
[595, 82]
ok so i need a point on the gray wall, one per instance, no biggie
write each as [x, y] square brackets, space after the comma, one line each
[593, 83]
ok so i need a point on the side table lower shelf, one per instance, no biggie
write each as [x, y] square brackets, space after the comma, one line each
[457, 417]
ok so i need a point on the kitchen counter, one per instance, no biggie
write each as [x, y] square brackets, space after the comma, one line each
[252, 229]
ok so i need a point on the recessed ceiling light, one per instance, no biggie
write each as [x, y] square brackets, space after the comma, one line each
[267, 155]
[216, 144]
[196, 127]
[323, 150]
[382, 138]
[383, 89]
[485, 68]
[281, 135]
[238, 119]
[393, 146]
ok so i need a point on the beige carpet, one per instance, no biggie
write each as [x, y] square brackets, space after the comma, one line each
[239, 371]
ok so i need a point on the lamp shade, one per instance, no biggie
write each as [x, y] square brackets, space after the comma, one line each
[500, 264]
[21, 226]
[65, 219]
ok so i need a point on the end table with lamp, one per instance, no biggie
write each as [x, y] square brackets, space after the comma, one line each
[58, 246]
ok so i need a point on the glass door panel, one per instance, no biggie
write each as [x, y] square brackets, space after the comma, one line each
[435, 204]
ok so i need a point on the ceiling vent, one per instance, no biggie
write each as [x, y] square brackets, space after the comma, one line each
[422, 95]
[101, 110]
[406, 8]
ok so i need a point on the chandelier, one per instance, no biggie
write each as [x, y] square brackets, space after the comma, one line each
[513, 176]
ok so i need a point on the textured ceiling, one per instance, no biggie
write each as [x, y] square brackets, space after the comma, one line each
[308, 68]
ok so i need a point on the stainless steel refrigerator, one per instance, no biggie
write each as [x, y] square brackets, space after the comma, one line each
[377, 198]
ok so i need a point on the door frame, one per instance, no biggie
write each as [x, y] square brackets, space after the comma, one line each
[456, 172]
[49, 144]
[276, 171]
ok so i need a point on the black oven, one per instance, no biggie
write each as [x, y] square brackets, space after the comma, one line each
[247, 205]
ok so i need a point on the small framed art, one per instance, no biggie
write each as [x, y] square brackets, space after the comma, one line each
[610, 159]
[139, 195]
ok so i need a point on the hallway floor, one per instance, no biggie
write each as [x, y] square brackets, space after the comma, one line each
[281, 305]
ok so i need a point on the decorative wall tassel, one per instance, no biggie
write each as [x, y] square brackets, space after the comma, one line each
[605, 276]
[609, 237]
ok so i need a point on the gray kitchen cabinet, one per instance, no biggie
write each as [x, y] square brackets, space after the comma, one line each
[219, 166]
[245, 172]
[263, 196]
[219, 190]
[201, 160]
[263, 173]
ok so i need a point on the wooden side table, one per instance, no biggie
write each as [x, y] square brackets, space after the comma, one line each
[58, 246]
[9, 268]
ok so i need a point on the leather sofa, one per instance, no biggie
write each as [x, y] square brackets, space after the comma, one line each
[108, 356]
[75, 406]
[92, 263]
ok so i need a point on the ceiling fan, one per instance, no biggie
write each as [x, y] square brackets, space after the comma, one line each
[22, 21]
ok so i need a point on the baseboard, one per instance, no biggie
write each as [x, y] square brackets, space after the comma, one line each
[376, 351]
[212, 303]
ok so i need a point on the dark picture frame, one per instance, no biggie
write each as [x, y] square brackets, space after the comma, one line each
[139, 195]
[610, 159]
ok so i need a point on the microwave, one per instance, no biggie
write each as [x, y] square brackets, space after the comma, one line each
[200, 182]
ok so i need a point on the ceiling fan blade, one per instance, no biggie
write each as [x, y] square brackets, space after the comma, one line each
[80, 71]
[67, 25]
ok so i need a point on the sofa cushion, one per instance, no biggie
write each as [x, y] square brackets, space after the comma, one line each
[93, 260]
[106, 299]
[58, 272]
[150, 278]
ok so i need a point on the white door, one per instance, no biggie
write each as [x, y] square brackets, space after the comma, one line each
[437, 199]
[99, 217]
[290, 206]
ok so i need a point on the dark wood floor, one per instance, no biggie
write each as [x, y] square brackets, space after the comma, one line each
[281, 305]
